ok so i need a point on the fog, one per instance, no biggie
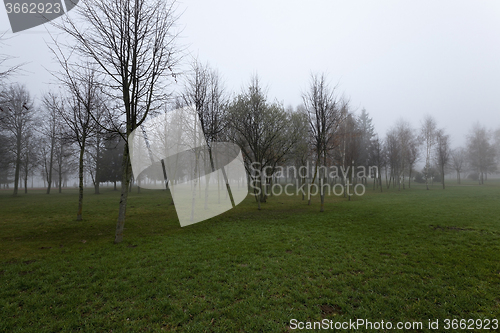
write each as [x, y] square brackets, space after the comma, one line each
[396, 59]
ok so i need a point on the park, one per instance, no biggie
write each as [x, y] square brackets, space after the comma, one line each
[410, 255]
[262, 166]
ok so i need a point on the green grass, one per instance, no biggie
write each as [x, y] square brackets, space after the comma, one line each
[395, 256]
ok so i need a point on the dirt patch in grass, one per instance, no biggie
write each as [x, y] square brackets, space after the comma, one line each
[437, 227]
[328, 310]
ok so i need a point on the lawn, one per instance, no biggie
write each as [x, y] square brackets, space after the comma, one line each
[409, 255]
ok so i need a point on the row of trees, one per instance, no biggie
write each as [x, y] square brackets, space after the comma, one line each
[42, 142]
[122, 68]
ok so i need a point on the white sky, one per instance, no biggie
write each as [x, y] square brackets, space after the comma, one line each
[398, 59]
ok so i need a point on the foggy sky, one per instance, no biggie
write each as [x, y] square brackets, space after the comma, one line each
[397, 59]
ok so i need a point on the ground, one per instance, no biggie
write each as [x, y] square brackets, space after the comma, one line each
[412, 255]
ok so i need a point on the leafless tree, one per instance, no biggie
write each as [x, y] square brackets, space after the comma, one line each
[62, 158]
[263, 132]
[203, 88]
[82, 111]
[133, 43]
[496, 142]
[51, 129]
[404, 135]
[348, 140]
[5, 160]
[481, 153]
[30, 157]
[367, 133]
[5, 72]
[377, 158]
[16, 115]
[408, 147]
[324, 111]
[413, 155]
[300, 153]
[443, 151]
[458, 159]
[428, 138]
[393, 151]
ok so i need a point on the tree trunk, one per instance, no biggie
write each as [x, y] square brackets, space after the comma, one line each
[312, 182]
[60, 179]
[322, 191]
[260, 186]
[49, 171]
[18, 163]
[127, 173]
[409, 176]
[97, 164]
[80, 184]
[442, 175]
[26, 183]
[380, 180]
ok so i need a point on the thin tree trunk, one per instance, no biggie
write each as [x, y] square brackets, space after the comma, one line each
[18, 164]
[49, 171]
[260, 186]
[442, 175]
[380, 180]
[409, 178]
[80, 184]
[60, 179]
[322, 193]
[127, 173]
[312, 182]
[26, 184]
[97, 165]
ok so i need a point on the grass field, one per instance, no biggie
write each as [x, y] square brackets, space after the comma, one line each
[412, 255]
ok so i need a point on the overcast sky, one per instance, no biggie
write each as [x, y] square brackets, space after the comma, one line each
[397, 59]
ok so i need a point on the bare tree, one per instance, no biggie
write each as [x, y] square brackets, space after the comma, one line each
[300, 152]
[262, 130]
[481, 153]
[458, 158]
[95, 151]
[16, 115]
[393, 151]
[367, 131]
[377, 158]
[5, 160]
[413, 155]
[81, 111]
[405, 138]
[133, 43]
[30, 157]
[62, 157]
[348, 140]
[427, 136]
[496, 137]
[5, 72]
[324, 110]
[203, 89]
[51, 129]
[443, 150]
